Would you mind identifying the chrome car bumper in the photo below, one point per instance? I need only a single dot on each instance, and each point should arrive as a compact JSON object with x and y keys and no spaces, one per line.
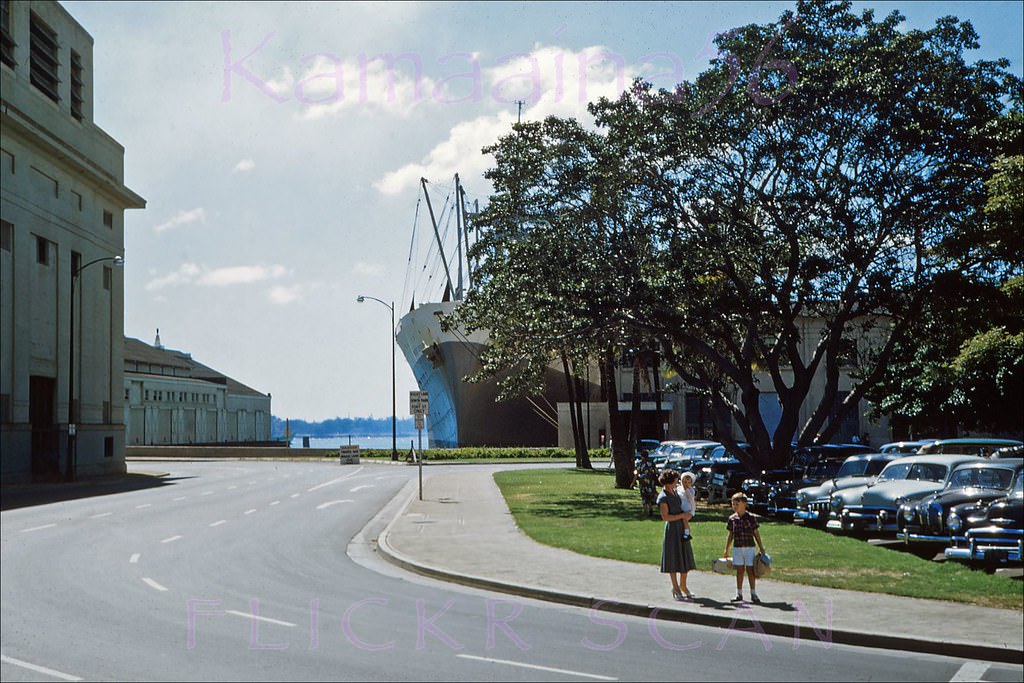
{"x":989,"y":544}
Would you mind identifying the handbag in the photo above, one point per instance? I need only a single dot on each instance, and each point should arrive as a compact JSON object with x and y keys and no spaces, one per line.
{"x":762,"y":565}
{"x":722,"y":565}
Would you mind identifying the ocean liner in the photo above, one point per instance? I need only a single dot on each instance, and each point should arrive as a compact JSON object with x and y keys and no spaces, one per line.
{"x":467,"y":413}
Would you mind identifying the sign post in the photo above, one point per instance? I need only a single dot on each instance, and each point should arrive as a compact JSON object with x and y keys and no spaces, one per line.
{"x":419,"y":406}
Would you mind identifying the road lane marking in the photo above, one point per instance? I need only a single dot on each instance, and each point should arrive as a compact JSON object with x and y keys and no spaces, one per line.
{"x":206,"y":493}
{"x":38,"y":528}
{"x":171,"y":539}
{"x":102,"y":514}
{"x":144,"y":505}
{"x":153,"y":584}
{"x":39,"y":669}
{"x":179,"y":498}
{"x":361,"y":487}
{"x":276,"y":502}
{"x":249,"y":512}
{"x":259,"y":618}
{"x":219,"y":522}
{"x":970,"y":671}
{"x":232,"y":487}
{"x":321,"y":506}
{"x":539,"y":668}
{"x":335,"y":481}
{"x":294,"y":495}
{"x":134,"y":559}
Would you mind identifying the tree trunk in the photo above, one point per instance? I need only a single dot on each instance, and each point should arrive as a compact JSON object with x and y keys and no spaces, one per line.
{"x":656,"y":369}
{"x":584,"y":458}
{"x":621,"y":454}
{"x":570,"y":385}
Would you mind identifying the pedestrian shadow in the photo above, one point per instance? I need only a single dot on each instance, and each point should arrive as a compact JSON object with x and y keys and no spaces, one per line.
{"x":27,"y":495}
{"x":729,"y":606}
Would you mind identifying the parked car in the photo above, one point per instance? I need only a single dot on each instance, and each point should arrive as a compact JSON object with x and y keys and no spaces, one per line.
{"x":667,"y":449}
{"x":811,"y":465}
{"x":811,"y":502}
{"x":724,"y":478}
{"x":877,"y":506}
{"x":977,"y":483}
{"x":992,"y":535}
{"x":905,"y":447}
{"x":983,"y":447}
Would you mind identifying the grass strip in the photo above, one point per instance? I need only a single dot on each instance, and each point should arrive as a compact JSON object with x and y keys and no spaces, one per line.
{"x":582,"y":511}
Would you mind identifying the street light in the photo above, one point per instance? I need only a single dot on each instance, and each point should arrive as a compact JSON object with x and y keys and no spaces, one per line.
{"x":72,"y":436}
{"x":394,"y":419}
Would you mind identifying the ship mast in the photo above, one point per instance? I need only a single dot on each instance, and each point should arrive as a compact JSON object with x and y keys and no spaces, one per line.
{"x":437,"y":235}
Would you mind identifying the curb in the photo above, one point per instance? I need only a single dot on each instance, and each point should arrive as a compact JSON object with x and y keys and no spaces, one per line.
{"x":739,"y":622}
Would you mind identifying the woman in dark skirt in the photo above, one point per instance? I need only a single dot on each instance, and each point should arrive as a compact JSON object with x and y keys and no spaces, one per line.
{"x":676,"y":553}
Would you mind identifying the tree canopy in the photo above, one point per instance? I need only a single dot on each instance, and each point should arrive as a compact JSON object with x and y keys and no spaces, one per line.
{"x":786,"y":216}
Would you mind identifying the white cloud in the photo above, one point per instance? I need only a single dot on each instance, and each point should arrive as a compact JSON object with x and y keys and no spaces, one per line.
{"x":551,"y":80}
{"x":182,"y":218}
{"x":285,"y":295}
{"x":363,"y":268}
{"x":244,"y":165}
{"x":190,"y":273}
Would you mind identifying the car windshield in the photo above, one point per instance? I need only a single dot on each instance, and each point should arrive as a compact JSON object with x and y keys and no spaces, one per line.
{"x":823,"y":470}
{"x":894,"y":472}
{"x":981,"y":477}
{"x":924,"y":471}
{"x":875,"y":466}
{"x":1019,"y":486}
{"x":853,"y":468}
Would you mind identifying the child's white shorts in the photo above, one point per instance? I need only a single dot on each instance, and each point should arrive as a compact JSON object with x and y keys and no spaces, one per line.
{"x":743,"y":557}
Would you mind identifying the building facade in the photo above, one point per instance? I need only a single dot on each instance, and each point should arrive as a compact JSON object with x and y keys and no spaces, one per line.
{"x":685,"y":414}
{"x":62,"y":204}
{"x":171,"y":399}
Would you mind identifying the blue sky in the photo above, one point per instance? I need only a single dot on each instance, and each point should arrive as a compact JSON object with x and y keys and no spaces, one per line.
{"x":281,"y":165}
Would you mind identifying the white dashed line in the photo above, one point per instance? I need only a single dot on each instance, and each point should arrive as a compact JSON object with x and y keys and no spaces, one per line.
{"x":38,"y":528}
{"x":144,"y":505}
{"x":259,"y":618}
{"x":539,"y":668}
{"x":231,"y":488}
{"x":179,"y":498}
{"x":134,"y":559}
{"x":276,"y":502}
{"x":219,"y":522}
{"x":153,"y":584}
{"x":39,"y":669}
{"x":171,"y":539}
{"x":206,"y":493}
{"x":294,"y":495}
{"x":102,"y":514}
{"x":249,"y":512}
{"x":360,"y":488}
{"x":328,"y":504}
{"x":970,"y":671}
{"x":335,"y":481}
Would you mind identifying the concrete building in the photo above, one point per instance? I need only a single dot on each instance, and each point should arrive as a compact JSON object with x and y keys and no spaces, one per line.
{"x":171,"y":399}
{"x":62,"y":203}
{"x":685,"y":414}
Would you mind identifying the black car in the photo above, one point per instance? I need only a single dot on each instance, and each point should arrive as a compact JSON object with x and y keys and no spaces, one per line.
{"x":812,"y":465}
{"x":977,"y":483}
{"x":724,"y":478}
{"x":812,"y":501}
{"x":991,"y":535}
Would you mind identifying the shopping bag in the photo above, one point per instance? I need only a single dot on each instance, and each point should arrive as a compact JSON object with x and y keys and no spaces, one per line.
{"x":762,"y":565}
{"x":722,"y":565}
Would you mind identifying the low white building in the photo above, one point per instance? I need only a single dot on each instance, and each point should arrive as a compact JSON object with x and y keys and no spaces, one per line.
{"x":171,"y":399}
{"x":62,"y":204}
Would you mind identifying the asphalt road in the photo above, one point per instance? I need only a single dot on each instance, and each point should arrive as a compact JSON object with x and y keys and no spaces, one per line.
{"x":266,"y":571}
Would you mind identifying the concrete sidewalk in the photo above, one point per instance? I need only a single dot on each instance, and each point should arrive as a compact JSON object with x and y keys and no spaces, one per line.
{"x":463,"y":532}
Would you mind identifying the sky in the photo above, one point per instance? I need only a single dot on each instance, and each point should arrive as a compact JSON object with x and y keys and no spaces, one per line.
{"x":280,"y":156}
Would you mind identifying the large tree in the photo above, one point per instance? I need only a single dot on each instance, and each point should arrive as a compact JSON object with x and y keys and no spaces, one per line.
{"x":814,"y":173}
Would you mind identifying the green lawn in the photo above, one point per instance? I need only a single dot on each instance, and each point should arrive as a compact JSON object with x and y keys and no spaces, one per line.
{"x":582,"y":511}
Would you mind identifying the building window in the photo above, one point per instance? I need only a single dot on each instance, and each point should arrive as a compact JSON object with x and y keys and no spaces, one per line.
{"x":108,"y":219}
{"x":127,"y":395}
{"x":108,"y":447}
{"x":76,"y":85}
{"x":42,"y":251}
{"x":43,"y":60}
{"x":6,"y":235}
{"x":108,"y":276}
{"x":76,"y":200}
{"x":8,"y":158}
{"x":7,"y":43}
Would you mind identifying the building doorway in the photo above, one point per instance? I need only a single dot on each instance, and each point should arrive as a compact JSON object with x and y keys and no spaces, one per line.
{"x":42,"y":398}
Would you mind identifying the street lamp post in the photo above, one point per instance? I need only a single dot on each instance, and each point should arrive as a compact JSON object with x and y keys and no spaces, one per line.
{"x":394,"y":419}
{"x":69,"y":475}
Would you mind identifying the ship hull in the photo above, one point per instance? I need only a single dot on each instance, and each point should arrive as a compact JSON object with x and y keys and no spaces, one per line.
{"x":464,"y":414}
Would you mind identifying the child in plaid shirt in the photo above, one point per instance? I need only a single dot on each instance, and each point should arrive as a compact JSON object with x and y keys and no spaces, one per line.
{"x":743,"y":533}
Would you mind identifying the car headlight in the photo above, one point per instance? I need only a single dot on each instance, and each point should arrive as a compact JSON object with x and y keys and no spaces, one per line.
{"x":900,"y":500}
{"x":908,"y":512}
{"x":835,"y":503}
{"x":953,"y":522}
